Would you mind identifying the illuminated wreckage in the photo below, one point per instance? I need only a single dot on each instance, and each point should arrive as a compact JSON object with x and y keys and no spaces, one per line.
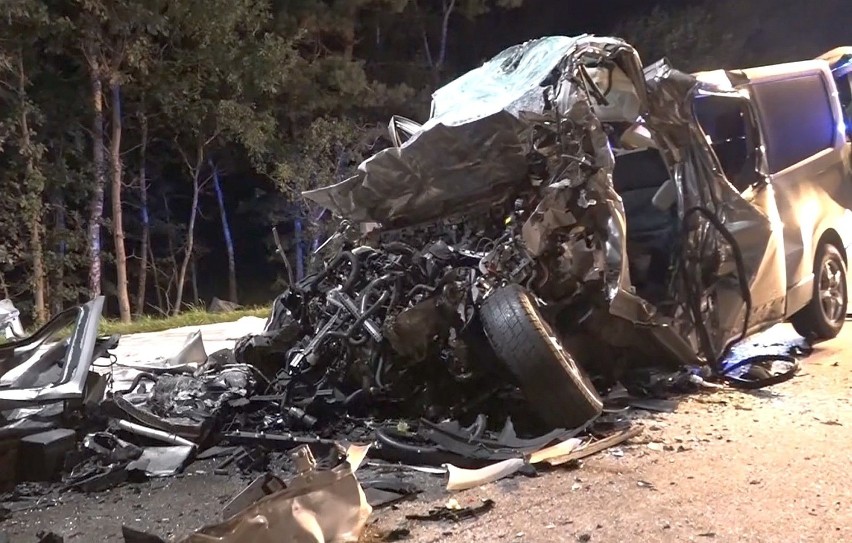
{"x":558,"y":225}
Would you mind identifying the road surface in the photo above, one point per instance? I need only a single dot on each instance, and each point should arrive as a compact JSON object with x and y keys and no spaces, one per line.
{"x":725,"y":467}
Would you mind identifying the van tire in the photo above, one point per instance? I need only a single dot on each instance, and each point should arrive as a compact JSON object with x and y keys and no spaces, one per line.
{"x":819,"y":320}
{"x":551,"y":380}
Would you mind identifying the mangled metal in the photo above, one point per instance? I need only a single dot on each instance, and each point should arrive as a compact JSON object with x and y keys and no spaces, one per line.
{"x":43,"y":367}
{"x":321,"y":506}
{"x":684,"y":260}
{"x":10,"y":320}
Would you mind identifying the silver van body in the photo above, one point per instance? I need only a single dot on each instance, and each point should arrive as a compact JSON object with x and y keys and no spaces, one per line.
{"x":808,"y":189}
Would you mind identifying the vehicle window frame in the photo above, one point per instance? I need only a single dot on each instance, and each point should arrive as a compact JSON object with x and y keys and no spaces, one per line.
{"x":753,"y":139}
{"x":775,"y":161}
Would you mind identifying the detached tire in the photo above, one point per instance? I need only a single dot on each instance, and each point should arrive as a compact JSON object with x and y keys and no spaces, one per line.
{"x":824,"y":315}
{"x":552,"y":381}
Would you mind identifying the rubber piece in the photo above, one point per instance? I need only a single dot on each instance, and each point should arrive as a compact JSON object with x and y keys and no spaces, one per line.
{"x":552,"y":381}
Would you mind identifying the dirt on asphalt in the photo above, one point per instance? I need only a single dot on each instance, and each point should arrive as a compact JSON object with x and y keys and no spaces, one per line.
{"x":727,"y":466}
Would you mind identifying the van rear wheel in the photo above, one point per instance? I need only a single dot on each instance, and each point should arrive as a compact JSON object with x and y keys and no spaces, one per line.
{"x":825,"y":314}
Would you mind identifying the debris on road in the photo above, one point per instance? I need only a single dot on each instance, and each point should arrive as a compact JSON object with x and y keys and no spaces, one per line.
{"x":317,"y":505}
{"x":455,"y":512}
{"x":463,"y":479}
{"x":10,"y":320}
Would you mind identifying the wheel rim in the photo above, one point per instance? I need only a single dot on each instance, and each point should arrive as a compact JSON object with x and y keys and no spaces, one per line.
{"x":832,"y":291}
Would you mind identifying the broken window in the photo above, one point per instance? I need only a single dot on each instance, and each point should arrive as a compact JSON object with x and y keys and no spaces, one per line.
{"x":797,"y":119}
{"x":725,"y":120}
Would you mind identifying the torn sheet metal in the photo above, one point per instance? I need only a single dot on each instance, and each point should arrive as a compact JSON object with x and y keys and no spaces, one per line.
{"x":10,"y":320}
{"x":48,"y":366}
{"x":474,"y":149}
{"x":189,"y":358}
{"x":162,"y":461}
{"x":263,"y":485}
{"x":355,"y":455}
{"x":186,"y":405}
{"x":317,"y":507}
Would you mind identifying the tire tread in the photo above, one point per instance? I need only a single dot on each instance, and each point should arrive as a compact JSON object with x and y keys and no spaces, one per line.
{"x":520,"y":338}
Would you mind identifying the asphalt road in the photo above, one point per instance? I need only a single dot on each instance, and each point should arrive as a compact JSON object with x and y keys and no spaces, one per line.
{"x":725,"y":467}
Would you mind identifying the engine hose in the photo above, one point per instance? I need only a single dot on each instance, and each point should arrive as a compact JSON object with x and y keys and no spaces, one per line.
{"x":353,"y":397}
{"x":349,"y":337}
{"x":354,"y":272}
{"x":359,"y":342}
{"x":291,"y":278}
{"x":369,"y":312}
{"x":391,"y":447}
{"x":399,"y":247}
{"x":397,"y":284}
{"x":418,"y":288}
{"x":380,"y":367}
{"x":359,"y":322}
{"x":741,"y":272}
{"x":136,"y":380}
{"x":371,"y":286}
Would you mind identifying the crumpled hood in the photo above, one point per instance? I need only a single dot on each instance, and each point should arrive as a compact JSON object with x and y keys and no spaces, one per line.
{"x":486,"y":132}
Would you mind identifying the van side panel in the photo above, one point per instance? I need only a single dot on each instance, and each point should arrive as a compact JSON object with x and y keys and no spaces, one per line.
{"x":807,"y":161}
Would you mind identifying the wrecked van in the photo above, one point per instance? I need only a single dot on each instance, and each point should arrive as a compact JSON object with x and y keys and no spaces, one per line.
{"x":615,"y":217}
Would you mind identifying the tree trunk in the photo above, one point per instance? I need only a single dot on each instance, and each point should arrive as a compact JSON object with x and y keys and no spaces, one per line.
{"x":146,"y":226}
{"x":96,"y":204}
{"x":445,"y":27}
{"x":38,"y":279}
{"x":194,"y":281}
{"x":35,"y":209}
{"x":172,"y":252}
{"x":190,"y":230}
{"x":4,"y":286}
{"x":229,"y":241}
{"x":58,"y":275}
{"x":117,"y":214}
{"x":161,"y":303}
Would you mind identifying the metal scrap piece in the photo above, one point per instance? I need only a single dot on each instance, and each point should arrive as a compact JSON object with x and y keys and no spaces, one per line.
{"x":317,"y":507}
{"x":162,"y":461}
{"x":38,"y":371}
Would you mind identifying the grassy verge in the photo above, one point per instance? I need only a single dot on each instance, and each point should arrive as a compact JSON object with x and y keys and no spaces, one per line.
{"x":188,"y":318}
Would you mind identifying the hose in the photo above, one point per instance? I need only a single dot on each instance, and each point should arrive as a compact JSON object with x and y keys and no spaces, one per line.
{"x":372,"y":285}
{"x":399,"y":247}
{"x":291,"y":281}
{"x":137,"y":380}
{"x":754,"y":384}
{"x":354,"y":272}
{"x":741,"y":277}
{"x":380,"y":367}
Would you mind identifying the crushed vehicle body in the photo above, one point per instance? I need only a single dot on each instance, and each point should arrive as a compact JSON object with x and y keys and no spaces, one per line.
{"x":607,"y":215}
{"x":47,"y":377}
{"x":52,"y":364}
{"x":10,"y":320}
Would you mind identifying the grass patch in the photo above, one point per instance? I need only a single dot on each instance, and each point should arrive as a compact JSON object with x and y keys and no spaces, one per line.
{"x":191,"y":317}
